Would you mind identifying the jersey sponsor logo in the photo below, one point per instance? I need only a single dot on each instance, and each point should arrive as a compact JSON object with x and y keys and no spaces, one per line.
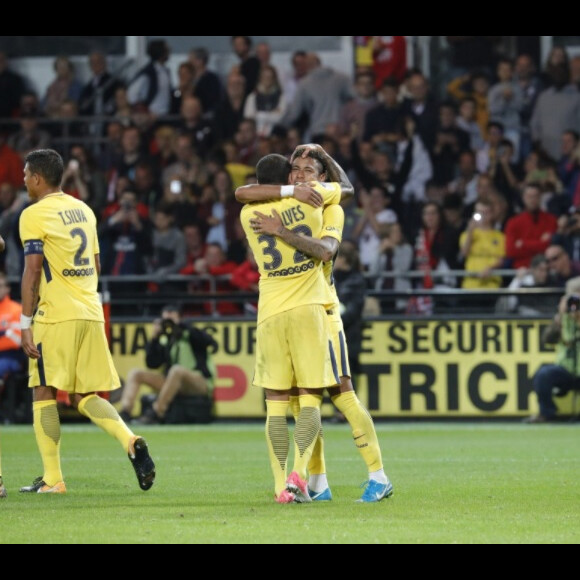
{"x":80,"y":273}
{"x":292,"y":271}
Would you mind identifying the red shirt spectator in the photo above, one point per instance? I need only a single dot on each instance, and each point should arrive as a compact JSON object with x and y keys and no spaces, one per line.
{"x":530,"y":232}
{"x":389,"y":58}
{"x":11,"y":165}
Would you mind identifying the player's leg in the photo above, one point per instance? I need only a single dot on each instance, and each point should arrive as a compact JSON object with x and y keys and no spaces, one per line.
{"x":274,"y":374}
{"x":318,"y":488}
{"x":96,"y":373}
{"x":361,"y":423}
{"x":278,"y":441}
{"x":315,"y":369}
{"x":135,"y":379}
{"x":47,"y":431}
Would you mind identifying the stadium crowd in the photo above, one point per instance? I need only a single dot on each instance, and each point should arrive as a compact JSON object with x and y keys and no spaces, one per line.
{"x":480,"y":176}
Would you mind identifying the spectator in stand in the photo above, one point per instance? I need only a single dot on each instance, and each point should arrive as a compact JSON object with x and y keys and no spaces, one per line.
{"x":185,"y":86}
{"x":500,"y":208}
{"x":467,"y":120}
{"x":147,"y":186}
{"x":465,"y":183}
{"x":11,"y":164}
{"x":247,"y":142}
{"x":450,"y":142}
{"x":395,"y":257}
{"x":152,"y":86}
{"x":536,"y":276}
{"x":298,"y":72}
{"x":423,"y":107}
{"x":30,"y":136}
{"x":66,"y":127}
{"x":389,"y":58}
{"x":249,"y":65}
{"x":125,"y":238}
{"x":132,"y":153}
{"x":112,"y":148}
{"x":495,"y":134}
{"x":64,"y":87}
{"x":558,"y":59}
{"x":12,"y":203}
{"x":216,"y":265}
{"x":568,"y":234}
{"x":98,"y":94}
{"x":540,"y":168}
{"x":575,"y":71}
{"x":506,"y":103}
{"x":475,"y":86}
{"x":483,"y":250}
{"x":382,"y":123}
{"x":456,"y":219}
{"x":321,"y":96}
{"x":507,"y":174}
{"x":12,"y":88}
{"x":353,"y":114}
{"x":122,"y":109}
{"x":266,"y":104}
{"x":246,"y":278}
{"x":375,"y":205}
{"x":562,"y":268}
{"x":569,"y":166}
{"x":12,"y":357}
{"x":73,"y":182}
{"x":557,"y":111}
{"x":192,"y":122}
{"x":168,"y":255}
{"x":531,"y":87}
{"x":230,"y":111}
{"x":195,"y":247}
{"x":264,"y":53}
{"x":188,"y":168}
{"x":530,"y":232}
{"x":207,"y":85}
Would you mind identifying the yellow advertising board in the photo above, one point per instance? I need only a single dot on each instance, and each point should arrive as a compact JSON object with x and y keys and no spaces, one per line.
{"x":412,"y":369}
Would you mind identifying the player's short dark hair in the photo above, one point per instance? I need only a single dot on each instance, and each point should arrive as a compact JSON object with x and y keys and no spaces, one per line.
{"x":316,"y":155}
{"x":48,"y":164}
{"x":273,"y":169}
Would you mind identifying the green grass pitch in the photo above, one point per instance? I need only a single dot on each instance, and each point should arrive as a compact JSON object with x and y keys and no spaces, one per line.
{"x":454,"y":483}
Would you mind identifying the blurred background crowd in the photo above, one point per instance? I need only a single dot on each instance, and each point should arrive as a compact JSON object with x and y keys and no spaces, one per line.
{"x":470,"y":182}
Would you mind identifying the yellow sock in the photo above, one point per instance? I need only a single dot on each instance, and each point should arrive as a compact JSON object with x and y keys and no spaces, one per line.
{"x":363,"y":429}
{"x":278,"y":441}
{"x":317,"y":465}
{"x":105,"y":416}
{"x":307,"y":433}
{"x":47,"y":431}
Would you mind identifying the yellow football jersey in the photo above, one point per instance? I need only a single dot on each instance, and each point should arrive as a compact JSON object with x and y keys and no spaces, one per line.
{"x":333,"y":226}
{"x":64,"y":230}
{"x":288,"y":278}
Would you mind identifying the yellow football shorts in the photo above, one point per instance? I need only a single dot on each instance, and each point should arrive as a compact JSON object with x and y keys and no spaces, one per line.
{"x":75,"y":358}
{"x":294,"y":348}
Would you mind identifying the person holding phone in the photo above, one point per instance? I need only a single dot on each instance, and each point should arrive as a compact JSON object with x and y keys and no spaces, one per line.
{"x":483,"y":249}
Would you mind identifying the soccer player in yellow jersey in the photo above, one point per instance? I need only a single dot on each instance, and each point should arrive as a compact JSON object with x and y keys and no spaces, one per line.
{"x":344,"y":397}
{"x":66,"y":345}
{"x":293,"y":334}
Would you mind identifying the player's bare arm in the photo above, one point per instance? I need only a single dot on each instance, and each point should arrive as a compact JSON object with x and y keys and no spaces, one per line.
{"x":321,"y":249}
{"x":30,"y":287}
{"x":334,"y":172}
{"x":263,"y":193}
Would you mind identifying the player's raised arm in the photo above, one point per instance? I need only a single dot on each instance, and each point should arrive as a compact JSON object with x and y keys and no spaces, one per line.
{"x":321,"y":249}
{"x":263,"y":193}
{"x":334,"y":172}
